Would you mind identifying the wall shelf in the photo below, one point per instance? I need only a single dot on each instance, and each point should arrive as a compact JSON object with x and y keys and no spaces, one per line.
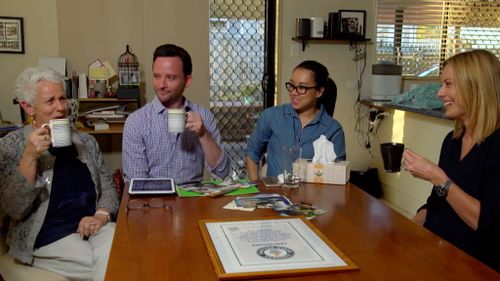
{"x":332,"y":41}
{"x":96,"y":100}
{"x":115,"y":126}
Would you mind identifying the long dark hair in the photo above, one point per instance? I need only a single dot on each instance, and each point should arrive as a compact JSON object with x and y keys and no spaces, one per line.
{"x":322,"y":80}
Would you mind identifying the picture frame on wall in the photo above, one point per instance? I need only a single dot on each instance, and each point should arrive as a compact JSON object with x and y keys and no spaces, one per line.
{"x":352,"y":22}
{"x":11,"y":35}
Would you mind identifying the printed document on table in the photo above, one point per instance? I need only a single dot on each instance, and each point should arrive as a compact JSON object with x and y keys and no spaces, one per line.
{"x":270,"y":244}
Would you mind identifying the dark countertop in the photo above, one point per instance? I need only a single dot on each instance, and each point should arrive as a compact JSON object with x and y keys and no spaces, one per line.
{"x":438,"y":113}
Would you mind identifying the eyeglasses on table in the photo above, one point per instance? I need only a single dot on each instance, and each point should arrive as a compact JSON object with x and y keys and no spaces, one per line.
{"x":140,"y":204}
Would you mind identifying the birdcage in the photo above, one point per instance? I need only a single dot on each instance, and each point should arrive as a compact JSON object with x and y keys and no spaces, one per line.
{"x":128,"y":69}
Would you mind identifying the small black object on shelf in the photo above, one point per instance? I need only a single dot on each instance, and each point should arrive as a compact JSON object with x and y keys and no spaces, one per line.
{"x":127,"y":93}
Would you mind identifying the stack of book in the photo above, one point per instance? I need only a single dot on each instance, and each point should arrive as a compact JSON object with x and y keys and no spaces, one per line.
{"x":111,"y":114}
{"x":107,"y":115}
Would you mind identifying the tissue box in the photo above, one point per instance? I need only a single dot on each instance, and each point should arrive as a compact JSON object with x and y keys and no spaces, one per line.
{"x":333,"y":173}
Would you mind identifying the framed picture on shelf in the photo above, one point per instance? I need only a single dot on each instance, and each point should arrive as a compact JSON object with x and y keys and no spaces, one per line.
{"x":11,"y":35}
{"x":352,"y":22}
{"x":129,"y":78}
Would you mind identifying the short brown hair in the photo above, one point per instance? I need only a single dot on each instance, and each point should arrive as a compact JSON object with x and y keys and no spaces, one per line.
{"x":171,"y":50}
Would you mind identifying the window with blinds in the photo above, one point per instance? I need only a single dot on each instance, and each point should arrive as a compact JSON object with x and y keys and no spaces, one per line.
{"x":421,"y":34}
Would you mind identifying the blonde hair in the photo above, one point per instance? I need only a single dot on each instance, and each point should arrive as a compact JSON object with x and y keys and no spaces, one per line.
{"x":477,"y":78}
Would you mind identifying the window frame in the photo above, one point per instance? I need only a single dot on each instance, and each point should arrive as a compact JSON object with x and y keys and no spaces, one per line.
{"x":414,"y":22}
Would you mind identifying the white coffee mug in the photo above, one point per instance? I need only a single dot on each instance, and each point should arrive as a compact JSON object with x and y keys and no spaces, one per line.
{"x":176,"y":120}
{"x":60,"y":132}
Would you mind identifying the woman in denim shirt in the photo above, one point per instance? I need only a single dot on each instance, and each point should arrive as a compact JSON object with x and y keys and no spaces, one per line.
{"x":298,"y":123}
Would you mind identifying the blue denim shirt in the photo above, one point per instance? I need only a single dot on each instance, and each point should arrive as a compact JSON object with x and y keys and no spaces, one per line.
{"x":279,"y":127}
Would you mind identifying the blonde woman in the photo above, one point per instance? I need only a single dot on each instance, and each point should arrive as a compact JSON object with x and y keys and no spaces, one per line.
{"x":464,"y":206}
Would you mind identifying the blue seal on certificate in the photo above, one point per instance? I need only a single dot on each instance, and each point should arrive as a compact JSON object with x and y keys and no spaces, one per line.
{"x":275,"y":252}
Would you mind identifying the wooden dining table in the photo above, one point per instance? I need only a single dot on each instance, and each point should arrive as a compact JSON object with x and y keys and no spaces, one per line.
{"x":166,"y":243}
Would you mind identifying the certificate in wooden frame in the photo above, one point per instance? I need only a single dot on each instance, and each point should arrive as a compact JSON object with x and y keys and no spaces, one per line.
{"x":270,"y":247}
{"x":11,"y":35}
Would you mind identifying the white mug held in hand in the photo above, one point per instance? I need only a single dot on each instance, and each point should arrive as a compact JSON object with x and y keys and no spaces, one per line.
{"x":176,"y":120}
{"x":60,"y":132}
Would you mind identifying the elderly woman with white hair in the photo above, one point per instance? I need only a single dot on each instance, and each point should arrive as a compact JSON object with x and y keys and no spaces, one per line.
{"x":60,"y":200}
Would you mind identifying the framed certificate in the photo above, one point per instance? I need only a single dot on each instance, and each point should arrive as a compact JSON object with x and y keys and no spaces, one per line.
{"x":269,"y":247}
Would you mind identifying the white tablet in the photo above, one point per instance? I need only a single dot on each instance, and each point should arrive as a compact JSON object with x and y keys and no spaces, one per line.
{"x":151,"y":186}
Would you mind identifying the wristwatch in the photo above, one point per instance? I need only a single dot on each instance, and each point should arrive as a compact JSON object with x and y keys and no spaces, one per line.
{"x":442,"y":189}
{"x":107,"y":214}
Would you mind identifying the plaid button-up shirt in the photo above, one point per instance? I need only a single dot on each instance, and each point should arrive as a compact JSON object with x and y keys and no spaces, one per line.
{"x":150,"y":151}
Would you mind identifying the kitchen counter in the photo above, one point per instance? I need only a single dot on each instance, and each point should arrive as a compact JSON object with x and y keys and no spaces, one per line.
{"x":438,"y":113}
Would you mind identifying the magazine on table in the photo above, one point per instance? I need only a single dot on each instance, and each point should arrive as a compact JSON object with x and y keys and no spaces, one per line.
{"x":263,"y":201}
{"x":301,"y":209}
{"x":207,"y":188}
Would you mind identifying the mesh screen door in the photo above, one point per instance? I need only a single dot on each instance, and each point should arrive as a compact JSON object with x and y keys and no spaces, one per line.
{"x":237,"y":62}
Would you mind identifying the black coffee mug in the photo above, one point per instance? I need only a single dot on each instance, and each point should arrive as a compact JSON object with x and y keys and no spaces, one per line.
{"x":392,"y":153}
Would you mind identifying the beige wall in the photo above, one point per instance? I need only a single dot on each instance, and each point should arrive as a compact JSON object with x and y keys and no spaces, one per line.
{"x":337,"y":58}
{"x":102,"y":29}
{"x":84,"y":30}
{"x":41,"y":39}
{"x":420,"y":133}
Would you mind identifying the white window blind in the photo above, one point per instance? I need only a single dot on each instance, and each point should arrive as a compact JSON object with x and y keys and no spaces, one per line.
{"x":421,"y":34}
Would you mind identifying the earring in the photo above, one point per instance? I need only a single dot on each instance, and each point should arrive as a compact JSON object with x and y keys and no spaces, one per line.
{"x":32,"y":117}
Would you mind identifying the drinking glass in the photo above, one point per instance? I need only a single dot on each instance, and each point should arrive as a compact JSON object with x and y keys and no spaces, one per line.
{"x":291,"y":166}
